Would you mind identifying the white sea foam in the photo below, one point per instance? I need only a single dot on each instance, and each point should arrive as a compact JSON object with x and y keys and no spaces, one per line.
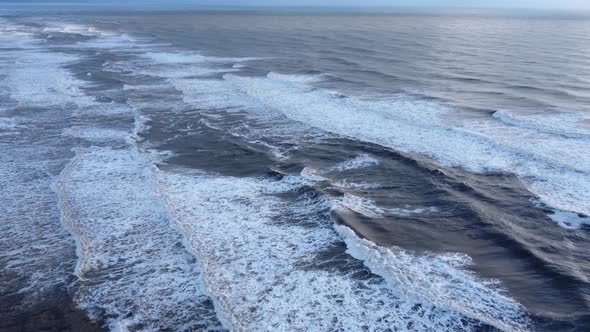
{"x":243,"y":233}
{"x":118,"y":66}
{"x":35,"y":77}
{"x":311,"y":174}
{"x":140,"y":125}
{"x":191,"y":74}
{"x":440,"y":279}
{"x":37,"y":254}
{"x":185,"y":71}
{"x":345,"y":183}
{"x":560,"y":180}
{"x":254,"y":254}
{"x":10,"y":124}
{"x":369,"y":209}
{"x":111,"y":109}
{"x":14,"y":31}
{"x":57,"y":86}
{"x":120,"y":42}
{"x":566,"y":124}
{"x":73,"y":28}
{"x":569,"y":220}
{"x":306,"y":79}
{"x":549,"y":170}
{"x":133,"y":269}
{"x":558,"y":151}
{"x":98,"y":135}
{"x":565,"y":219}
{"x":179,"y":57}
{"x":181,"y":67}
{"x":381,"y":121}
{"x":360,"y":161}
{"x":170,"y":69}
{"x":360,"y":205}
{"x":205,"y":92}
{"x":187,"y":57}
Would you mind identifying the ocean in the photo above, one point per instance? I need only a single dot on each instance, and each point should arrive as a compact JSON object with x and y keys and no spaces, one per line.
{"x":200,"y":170}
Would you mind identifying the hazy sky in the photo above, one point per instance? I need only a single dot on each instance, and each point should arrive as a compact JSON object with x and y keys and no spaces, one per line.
{"x":531,"y":4}
{"x":565,"y":4}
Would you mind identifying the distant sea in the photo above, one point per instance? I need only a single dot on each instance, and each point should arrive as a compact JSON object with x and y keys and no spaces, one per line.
{"x":173,"y":168}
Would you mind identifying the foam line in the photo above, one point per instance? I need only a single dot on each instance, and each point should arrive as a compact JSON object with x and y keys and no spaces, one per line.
{"x":440,"y":279}
{"x":298,"y":78}
{"x":37,"y":255}
{"x":369,"y":209}
{"x":559,"y":179}
{"x":133,"y":268}
{"x":566,"y":124}
{"x":360,"y":161}
{"x":257,"y":250}
{"x":56,"y":88}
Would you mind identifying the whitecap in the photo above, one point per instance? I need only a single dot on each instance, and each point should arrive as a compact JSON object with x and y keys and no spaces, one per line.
{"x":361,"y":161}
{"x":242,"y":232}
{"x":133,"y":269}
{"x":559,"y":179}
{"x":566,"y":124}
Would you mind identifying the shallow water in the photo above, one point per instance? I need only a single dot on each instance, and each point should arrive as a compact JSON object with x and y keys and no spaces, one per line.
{"x":294,"y":172}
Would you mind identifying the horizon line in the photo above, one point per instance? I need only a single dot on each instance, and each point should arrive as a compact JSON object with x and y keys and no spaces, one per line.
{"x":310,"y":9}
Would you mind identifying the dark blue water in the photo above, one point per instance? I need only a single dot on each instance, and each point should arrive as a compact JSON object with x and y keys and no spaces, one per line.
{"x":252,"y":171}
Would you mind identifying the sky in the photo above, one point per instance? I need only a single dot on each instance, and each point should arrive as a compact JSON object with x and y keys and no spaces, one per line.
{"x":499,"y":4}
{"x":532,"y":4}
